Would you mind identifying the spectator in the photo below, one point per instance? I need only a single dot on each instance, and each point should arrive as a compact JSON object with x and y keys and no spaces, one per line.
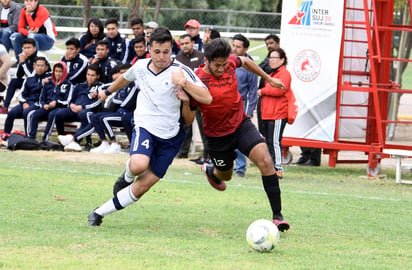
{"x":309,"y":156}
{"x":10,"y":14}
{"x":5,"y":64}
{"x":191,"y":58}
{"x":117,"y":44}
{"x":29,"y":96}
{"x":24,"y":69}
{"x":88,"y":41}
{"x":103,"y":61}
{"x":76,"y":62}
{"x":192,"y":28}
{"x":247,"y":87}
{"x":84,"y":103}
{"x":274,"y":106}
{"x":138,"y":31}
{"x":140,"y":49}
{"x":209,"y":35}
{"x":149,"y":27}
{"x":34,"y":22}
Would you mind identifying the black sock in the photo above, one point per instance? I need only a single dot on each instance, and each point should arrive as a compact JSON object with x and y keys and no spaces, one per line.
{"x":209,"y":172}
{"x":271,"y":186}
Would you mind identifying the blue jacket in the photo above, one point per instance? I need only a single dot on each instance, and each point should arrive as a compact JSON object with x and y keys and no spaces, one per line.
{"x":127,"y":97}
{"x":117,"y":47}
{"x":31,"y":89}
{"x":26,"y":69}
{"x":81,"y":96}
{"x":62,"y":93}
{"x":106,"y":66}
{"x":76,"y":68}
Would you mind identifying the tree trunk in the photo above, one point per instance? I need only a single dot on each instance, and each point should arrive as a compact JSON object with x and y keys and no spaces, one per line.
{"x":134,"y":11}
{"x":157,"y":11}
{"x":86,"y":15}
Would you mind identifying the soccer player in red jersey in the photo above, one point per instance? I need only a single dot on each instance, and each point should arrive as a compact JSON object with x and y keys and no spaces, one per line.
{"x":226,"y":126}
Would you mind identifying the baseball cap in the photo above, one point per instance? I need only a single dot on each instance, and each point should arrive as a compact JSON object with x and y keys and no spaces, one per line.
{"x":192,"y":23}
{"x":151,"y":24}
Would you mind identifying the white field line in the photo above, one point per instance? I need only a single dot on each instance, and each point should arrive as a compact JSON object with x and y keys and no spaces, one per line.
{"x":326,"y":194}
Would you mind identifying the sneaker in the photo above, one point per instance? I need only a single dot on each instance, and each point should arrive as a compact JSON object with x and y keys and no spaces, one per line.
{"x":65,"y":139}
{"x":240,"y":174}
{"x":282,"y":224}
{"x":114,"y":148}
{"x":279,"y":174}
{"x":4,"y":110}
{"x":120,"y":184}
{"x":94,"y":219}
{"x":73,"y":147}
{"x":213,"y":181}
{"x":104,"y":146}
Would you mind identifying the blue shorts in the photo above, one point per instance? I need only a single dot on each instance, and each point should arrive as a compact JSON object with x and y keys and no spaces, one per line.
{"x":160,"y":151}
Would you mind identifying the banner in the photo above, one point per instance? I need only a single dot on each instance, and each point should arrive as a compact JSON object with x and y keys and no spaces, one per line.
{"x":311,"y":33}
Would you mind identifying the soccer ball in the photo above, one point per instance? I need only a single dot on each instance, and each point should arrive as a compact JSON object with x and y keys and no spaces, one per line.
{"x":262,"y":235}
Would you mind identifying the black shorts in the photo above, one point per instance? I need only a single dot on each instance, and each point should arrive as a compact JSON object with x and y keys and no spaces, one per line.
{"x":222,"y":149}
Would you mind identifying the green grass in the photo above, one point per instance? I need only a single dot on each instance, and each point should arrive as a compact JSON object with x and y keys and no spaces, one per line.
{"x":339,"y":220}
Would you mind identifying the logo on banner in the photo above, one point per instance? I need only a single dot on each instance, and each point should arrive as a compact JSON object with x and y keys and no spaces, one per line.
{"x":306,"y":15}
{"x":302,"y":16}
{"x":307,"y":65}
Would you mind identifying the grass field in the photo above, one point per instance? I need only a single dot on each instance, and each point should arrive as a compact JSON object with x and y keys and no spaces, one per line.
{"x":338,"y":220}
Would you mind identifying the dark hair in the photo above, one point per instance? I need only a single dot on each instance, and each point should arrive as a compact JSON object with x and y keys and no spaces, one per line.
{"x":29,"y":41}
{"x":282,"y":55}
{"x":274,"y":37}
{"x":185,"y":36}
{"x":243,"y":39}
{"x":125,"y":66}
{"x":112,"y":20}
{"x":161,"y":35}
{"x":114,"y":70}
{"x":95,"y":68}
{"x":139,"y":39}
{"x":214,"y":34}
{"x":41,"y":58}
{"x":103,"y":42}
{"x":136,"y":21}
{"x":217,"y":48}
{"x":58,"y":65}
{"x":73,"y":41}
{"x":99,"y":24}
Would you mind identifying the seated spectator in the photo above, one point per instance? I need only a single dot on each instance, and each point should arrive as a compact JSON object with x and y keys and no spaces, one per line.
{"x":29,"y":96}
{"x":138,"y":31}
{"x":5,"y":64}
{"x":192,"y":28}
{"x":88,"y":41}
{"x":10,"y":14}
{"x":76,"y":62}
{"x":24,"y":69}
{"x":117,"y":44}
{"x":34,"y":22}
{"x":84,"y":103}
{"x":103,"y":61}
{"x":55,"y":95}
{"x":140,"y":49}
{"x":149,"y":27}
{"x":209,"y":35}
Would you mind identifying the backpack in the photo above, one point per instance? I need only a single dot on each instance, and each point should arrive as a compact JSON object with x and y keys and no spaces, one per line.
{"x":20,"y":142}
{"x":51,"y":146}
{"x":292,"y":108}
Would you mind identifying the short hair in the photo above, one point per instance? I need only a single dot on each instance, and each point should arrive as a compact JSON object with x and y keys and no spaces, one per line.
{"x":41,"y":58}
{"x":112,"y":20}
{"x":95,"y":68}
{"x":217,"y":48}
{"x":29,"y":41}
{"x":214,"y":34}
{"x":243,"y":39}
{"x":114,"y":70}
{"x":136,"y":21}
{"x":125,"y":66}
{"x":103,"y":42}
{"x":139,"y":39}
{"x":185,"y":36}
{"x":161,"y":35}
{"x":282,"y":54}
{"x":73,"y":41}
{"x":274,"y":37}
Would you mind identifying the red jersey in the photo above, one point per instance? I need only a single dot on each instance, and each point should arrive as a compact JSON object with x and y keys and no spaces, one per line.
{"x":225,"y":114}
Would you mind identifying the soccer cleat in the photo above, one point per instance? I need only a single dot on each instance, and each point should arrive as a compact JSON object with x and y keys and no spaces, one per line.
{"x":65,"y":139}
{"x":113,"y":148}
{"x":94,"y":219}
{"x":282,"y":224}
{"x":73,"y":147}
{"x":120,"y":184}
{"x":279,"y":174}
{"x":213,"y":181}
{"x":104,"y":146}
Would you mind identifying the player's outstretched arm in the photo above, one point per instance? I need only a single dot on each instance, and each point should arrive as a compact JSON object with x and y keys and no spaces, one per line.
{"x":118,"y":84}
{"x":253,"y":67}
{"x":199,"y":93}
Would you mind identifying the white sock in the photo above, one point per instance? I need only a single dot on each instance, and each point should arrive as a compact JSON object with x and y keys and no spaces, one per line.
{"x":128,"y":176}
{"x":123,"y":199}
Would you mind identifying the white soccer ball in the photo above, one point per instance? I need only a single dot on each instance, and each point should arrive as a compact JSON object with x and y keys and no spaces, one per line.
{"x":262,"y":235}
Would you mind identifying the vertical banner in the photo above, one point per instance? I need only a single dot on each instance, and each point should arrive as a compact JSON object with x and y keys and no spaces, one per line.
{"x":311,"y":33}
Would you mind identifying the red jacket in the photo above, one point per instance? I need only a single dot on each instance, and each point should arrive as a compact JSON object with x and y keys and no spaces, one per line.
{"x":274,"y":103}
{"x":40,"y":19}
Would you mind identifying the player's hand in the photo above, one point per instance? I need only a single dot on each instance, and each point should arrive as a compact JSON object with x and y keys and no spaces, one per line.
{"x":182,"y":95}
{"x":102,"y":96}
{"x":276,"y":83}
{"x":178,"y":78}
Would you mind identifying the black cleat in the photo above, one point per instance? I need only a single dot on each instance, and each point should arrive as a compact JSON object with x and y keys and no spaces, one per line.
{"x":94,"y":219}
{"x":120,"y":184}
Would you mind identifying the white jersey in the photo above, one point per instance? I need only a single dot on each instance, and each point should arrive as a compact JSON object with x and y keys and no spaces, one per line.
{"x":157,"y":107}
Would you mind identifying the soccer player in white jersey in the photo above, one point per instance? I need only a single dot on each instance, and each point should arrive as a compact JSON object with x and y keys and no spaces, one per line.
{"x":161,"y":109}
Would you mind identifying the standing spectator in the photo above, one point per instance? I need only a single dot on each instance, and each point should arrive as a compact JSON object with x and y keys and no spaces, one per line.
{"x":191,"y":58}
{"x":117,"y":44}
{"x":88,"y":41}
{"x":10,"y":14}
{"x":192,"y":28}
{"x":103,"y":61}
{"x":5,"y":64}
{"x":274,"y":106}
{"x":140,"y":49}
{"x":309,"y":156}
{"x":34,"y":22}
{"x":272,"y":42}
{"x":138,"y":31}
{"x":24,"y":69}
{"x":247,"y":87}
{"x":76,"y":62}
{"x":29,"y":96}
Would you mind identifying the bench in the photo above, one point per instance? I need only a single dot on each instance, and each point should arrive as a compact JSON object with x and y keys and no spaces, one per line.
{"x":399,"y":155}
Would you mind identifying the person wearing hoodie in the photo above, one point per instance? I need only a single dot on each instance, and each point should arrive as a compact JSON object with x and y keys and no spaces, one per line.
{"x":29,"y":95}
{"x":55,"y":95}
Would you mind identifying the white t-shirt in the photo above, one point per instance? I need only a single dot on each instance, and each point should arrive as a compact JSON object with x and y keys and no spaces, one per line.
{"x":157,"y":107}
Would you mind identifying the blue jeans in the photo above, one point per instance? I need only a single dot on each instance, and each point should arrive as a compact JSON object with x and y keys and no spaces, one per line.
{"x":5,"y":38}
{"x":43,"y":42}
{"x":240,"y":163}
